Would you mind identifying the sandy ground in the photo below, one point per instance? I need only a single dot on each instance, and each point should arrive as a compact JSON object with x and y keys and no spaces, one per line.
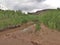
{"x":28,"y":36}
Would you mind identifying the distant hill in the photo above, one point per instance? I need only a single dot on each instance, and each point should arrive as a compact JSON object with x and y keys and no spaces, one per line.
{"x":43,"y":11}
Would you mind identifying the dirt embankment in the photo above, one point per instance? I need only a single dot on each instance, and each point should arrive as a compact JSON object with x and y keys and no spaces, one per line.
{"x":28,"y":36}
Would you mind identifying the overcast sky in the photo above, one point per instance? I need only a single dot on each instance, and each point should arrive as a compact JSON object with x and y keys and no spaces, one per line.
{"x":29,"y":5}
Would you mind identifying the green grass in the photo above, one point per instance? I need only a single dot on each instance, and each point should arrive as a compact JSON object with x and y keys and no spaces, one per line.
{"x":9,"y":18}
{"x":50,"y":18}
{"x":37,"y":27}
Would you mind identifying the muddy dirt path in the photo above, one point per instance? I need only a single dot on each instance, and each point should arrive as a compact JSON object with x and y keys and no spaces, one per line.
{"x":27,"y":36}
{"x":22,"y":27}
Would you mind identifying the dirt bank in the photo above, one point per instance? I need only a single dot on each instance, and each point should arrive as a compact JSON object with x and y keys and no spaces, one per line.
{"x":28,"y":37}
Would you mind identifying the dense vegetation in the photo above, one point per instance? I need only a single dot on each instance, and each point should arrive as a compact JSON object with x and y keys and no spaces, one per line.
{"x":50,"y":18}
{"x":9,"y":18}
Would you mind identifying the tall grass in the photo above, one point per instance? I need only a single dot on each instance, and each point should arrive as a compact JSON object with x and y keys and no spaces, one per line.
{"x":10,"y":18}
{"x":50,"y":18}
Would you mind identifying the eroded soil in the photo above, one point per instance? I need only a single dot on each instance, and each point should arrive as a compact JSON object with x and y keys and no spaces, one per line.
{"x":28,"y":36}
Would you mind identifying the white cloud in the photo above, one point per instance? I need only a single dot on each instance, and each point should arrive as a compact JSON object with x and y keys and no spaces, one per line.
{"x":30,"y":5}
{"x":53,"y":3}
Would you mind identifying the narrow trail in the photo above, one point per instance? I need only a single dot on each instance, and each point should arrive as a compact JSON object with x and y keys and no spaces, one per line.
{"x":27,"y":36}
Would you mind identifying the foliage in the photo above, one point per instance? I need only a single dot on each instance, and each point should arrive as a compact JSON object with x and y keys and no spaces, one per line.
{"x":9,"y":18}
{"x":50,"y":18}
